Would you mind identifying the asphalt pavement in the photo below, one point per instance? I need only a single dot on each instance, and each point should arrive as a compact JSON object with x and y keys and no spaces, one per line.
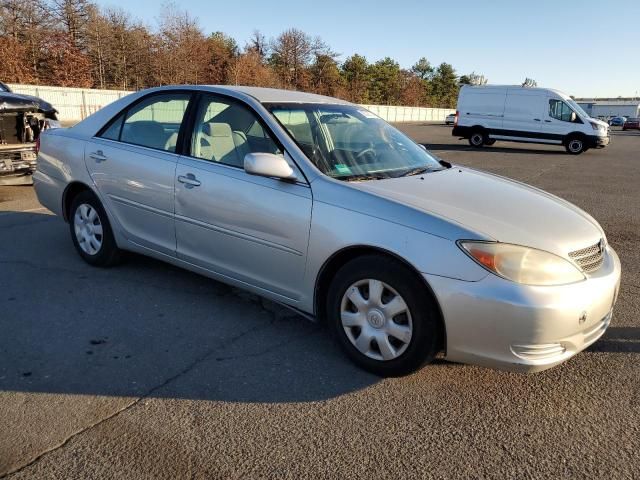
{"x":149,"y":371}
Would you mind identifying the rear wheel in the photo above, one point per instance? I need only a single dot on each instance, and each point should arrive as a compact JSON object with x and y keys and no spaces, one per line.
{"x":384,"y":318}
{"x":575,"y":145}
{"x":91,"y":232}
{"x":490,"y":141}
{"x":477,"y":139}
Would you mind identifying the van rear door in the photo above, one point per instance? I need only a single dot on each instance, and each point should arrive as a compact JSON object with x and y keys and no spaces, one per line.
{"x":523,"y":113}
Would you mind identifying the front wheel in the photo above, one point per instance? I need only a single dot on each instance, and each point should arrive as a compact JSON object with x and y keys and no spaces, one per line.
{"x":575,"y":145}
{"x":383,"y":316}
{"x":91,"y":232}
{"x":490,"y":141}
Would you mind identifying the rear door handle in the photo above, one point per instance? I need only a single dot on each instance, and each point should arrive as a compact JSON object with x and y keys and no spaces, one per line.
{"x":536,"y":119}
{"x":189,"y":180}
{"x":548,"y":121}
{"x":98,"y":156}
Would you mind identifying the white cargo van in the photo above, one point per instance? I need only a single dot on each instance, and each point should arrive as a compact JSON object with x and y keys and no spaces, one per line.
{"x":522,"y":114}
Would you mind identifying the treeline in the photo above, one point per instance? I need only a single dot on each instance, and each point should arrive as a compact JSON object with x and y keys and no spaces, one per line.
{"x":73,"y":43}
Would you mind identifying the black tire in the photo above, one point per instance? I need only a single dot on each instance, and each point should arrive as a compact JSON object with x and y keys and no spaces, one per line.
{"x":425,"y":317}
{"x":490,"y":141}
{"x":108,"y":254}
{"x":575,"y":145}
{"x":478,"y":139}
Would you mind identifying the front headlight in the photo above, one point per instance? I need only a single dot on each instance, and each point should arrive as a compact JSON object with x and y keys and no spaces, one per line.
{"x":597,"y":127}
{"x":522,"y":264}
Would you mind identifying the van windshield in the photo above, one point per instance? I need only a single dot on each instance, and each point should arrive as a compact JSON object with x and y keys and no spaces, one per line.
{"x":347,"y":142}
{"x":577,"y":108}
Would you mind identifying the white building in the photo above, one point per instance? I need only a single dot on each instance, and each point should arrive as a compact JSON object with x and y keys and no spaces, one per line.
{"x":601,"y":107}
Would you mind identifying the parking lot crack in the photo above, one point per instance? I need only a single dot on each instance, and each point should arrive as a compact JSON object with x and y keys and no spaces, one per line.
{"x":184,"y":371}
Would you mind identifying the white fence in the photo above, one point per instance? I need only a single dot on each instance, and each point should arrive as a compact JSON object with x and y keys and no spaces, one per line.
{"x":400,"y":114}
{"x":74,"y":104}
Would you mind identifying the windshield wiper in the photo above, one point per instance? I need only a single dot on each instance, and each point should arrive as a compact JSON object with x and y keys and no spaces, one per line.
{"x":418,"y":171}
{"x":371,"y":176}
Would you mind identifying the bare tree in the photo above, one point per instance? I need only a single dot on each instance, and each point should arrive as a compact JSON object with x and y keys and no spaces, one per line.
{"x":291,"y":55}
{"x":74,"y":16}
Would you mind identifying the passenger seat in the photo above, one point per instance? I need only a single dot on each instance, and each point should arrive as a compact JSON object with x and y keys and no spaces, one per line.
{"x":220,"y":144}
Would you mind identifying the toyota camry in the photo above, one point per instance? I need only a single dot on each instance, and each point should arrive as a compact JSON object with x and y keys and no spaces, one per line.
{"x":322,"y":206}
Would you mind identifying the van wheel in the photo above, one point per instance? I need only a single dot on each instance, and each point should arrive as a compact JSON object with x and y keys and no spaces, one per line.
{"x":575,"y":145}
{"x":490,"y":141}
{"x":383,"y":316}
{"x":477,"y":139}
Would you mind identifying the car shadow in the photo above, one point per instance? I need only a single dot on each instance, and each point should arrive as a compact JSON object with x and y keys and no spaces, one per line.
{"x":464,"y":147}
{"x":145,"y":328}
{"x":618,"y":340}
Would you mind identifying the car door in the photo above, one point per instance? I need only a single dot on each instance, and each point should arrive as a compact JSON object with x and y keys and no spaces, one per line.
{"x":560,"y":119}
{"x":248,"y":228}
{"x":523,"y":114}
{"x":133,"y":162}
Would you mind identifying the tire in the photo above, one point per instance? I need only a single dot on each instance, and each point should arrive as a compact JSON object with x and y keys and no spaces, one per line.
{"x":87,"y":218}
{"x":575,"y":145}
{"x":477,"y":139}
{"x":411,"y":333}
{"x":490,"y":141}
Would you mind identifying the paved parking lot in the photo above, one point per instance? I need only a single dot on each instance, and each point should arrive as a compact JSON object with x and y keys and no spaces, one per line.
{"x":147,"y":371}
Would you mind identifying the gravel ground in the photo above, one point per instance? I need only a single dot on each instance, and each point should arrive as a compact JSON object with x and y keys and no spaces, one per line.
{"x":147,"y":371}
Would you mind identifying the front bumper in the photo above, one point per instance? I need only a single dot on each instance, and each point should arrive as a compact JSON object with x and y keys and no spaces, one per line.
{"x":16,"y":161}
{"x":598,"y":141}
{"x":502,"y":324}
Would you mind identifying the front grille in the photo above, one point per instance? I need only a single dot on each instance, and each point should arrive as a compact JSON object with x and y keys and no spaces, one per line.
{"x":589,"y":259}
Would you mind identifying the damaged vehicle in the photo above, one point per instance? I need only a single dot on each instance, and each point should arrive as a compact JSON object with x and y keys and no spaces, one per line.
{"x":22,"y":119}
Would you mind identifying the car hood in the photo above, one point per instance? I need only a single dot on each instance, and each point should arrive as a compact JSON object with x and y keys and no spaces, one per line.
{"x":494,"y":207}
{"x":16,"y":102}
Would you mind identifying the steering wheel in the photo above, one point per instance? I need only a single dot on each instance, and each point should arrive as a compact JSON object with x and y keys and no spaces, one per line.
{"x":368,"y":150}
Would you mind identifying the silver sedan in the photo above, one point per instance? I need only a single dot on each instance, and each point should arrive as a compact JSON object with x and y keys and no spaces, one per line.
{"x":320,"y":205}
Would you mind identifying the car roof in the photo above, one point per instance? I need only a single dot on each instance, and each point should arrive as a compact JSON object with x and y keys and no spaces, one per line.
{"x":276,"y":95}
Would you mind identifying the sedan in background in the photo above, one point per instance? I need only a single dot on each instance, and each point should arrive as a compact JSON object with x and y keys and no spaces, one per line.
{"x":617,"y":121}
{"x":322,"y":206}
{"x":450,"y":119}
{"x":631,"y":124}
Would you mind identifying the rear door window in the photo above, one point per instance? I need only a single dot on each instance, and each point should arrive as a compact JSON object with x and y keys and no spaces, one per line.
{"x":153,"y":123}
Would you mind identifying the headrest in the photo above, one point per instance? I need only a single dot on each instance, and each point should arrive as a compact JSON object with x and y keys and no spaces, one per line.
{"x":214,"y":129}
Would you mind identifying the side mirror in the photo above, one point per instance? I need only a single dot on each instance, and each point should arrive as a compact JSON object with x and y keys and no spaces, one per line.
{"x":268,"y":165}
{"x":574,"y":117}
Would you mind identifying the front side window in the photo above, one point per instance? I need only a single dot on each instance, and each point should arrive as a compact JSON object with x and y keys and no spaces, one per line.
{"x":153,"y":123}
{"x":347,"y":142}
{"x":225,"y":131}
{"x":561,"y":111}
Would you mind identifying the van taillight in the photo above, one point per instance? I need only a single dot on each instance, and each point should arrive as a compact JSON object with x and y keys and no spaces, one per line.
{"x":455,"y":121}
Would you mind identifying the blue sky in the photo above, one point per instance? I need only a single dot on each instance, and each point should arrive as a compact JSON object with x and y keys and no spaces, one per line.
{"x":585,"y":48}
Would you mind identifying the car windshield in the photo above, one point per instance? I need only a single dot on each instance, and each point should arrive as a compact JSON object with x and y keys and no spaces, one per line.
{"x":347,"y":142}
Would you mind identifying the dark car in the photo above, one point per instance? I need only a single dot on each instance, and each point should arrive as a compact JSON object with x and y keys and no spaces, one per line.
{"x":22,"y":118}
{"x":631,"y":124}
{"x":617,"y":121}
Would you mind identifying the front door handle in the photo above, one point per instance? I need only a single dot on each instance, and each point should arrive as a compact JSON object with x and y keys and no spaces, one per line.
{"x":189,"y":180}
{"x":548,"y":121}
{"x":536,"y":119}
{"x":98,"y":156}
